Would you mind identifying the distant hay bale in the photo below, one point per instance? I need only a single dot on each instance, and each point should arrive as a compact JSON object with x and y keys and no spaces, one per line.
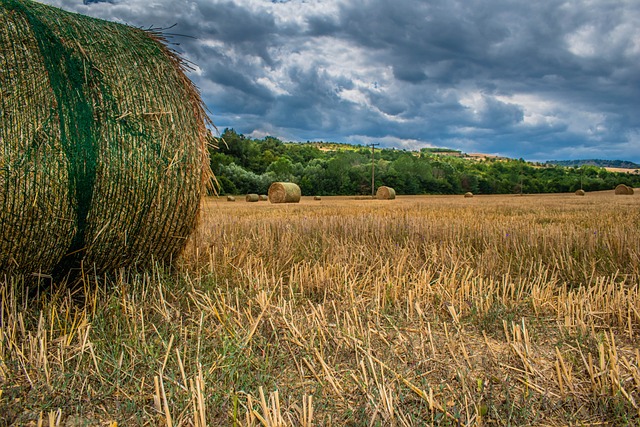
{"x":317,"y":198}
{"x":386,"y":193}
{"x":468,"y":194}
{"x":284,"y":192}
{"x":580,"y":192}
{"x":623,"y":189}
{"x":231,"y":199}
{"x":252,"y":198}
{"x":104,"y":158}
{"x":264,"y":197}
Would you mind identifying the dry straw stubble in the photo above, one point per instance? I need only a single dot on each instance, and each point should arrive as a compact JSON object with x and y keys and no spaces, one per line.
{"x":404,"y":313}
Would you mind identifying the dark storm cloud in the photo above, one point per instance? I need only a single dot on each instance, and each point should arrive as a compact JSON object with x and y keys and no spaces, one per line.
{"x":538,"y":80}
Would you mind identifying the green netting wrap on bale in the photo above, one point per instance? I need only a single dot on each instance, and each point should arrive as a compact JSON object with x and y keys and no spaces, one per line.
{"x":284,"y":192}
{"x":103,"y":144}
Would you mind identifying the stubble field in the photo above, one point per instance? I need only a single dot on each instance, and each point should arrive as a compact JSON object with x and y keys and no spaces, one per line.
{"x":491,"y":310}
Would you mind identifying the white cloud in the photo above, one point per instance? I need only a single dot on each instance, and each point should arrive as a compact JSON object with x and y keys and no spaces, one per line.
{"x":584,"y":41}
{"x":272,"y":85}
{"x":538,"y":111}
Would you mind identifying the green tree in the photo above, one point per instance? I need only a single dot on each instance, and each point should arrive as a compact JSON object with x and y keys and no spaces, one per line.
{"x":282,"y":169}
{"x":246,"y":181}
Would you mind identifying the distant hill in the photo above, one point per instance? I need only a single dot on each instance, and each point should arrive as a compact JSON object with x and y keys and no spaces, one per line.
{"x":620,"y":164}
{"x":245,"y":165}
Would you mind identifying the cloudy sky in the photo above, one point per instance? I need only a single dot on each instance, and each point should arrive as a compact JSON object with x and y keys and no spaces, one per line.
{"x":543,"y":79}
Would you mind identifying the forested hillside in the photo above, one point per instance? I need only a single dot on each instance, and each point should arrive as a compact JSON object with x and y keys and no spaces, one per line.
{"x":244,"y":165}
{"x":596,"y":162}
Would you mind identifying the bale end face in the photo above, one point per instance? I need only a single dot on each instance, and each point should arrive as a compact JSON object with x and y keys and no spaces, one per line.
{"x":386,"y":193}
{"x":623,"y":190}
{"x":284,"y":192}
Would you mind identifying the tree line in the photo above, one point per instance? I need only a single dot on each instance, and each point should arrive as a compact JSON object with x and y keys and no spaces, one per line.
{"x":245,"y":165}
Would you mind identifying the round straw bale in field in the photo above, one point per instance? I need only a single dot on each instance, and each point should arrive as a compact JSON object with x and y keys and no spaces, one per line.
{"x":252,"y":198}
{"x":264,"y":197}
{"x":104,"y":158}
{"x":231,"y":199}
{"x":317,"y":198}
{"x":580,"y":192}
{"x":386,"y":193}
{"x":622,"y":189}
{"x":284,"y":192}
{"x":468,"y":194}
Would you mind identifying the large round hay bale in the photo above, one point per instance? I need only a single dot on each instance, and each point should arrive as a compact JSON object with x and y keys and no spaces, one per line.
{"x":622,"y":189}
{"x":468,"y":194}
{"x":317,"y":198}
{"x":580,"y":192}
{"x":386,"y":193}
{"x":104,"y":156}
{"x":252,"y":198}
{"x":284,"y":192}
{"x":264,"y":197}
{"x":231,"y":199}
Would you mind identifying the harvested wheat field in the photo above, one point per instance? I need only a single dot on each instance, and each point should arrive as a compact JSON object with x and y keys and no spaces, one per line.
{"x":490,"y":311}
